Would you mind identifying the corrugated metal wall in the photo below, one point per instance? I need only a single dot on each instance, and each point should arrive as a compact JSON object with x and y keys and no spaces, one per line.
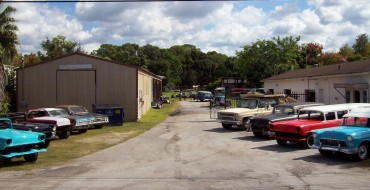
{"x":84,"y":80}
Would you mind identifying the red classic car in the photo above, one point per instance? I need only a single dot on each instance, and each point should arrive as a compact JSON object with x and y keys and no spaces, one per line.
{"x":300,"y":129}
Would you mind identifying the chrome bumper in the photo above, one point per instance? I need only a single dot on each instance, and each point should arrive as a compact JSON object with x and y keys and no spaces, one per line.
{"x":336,"y":149}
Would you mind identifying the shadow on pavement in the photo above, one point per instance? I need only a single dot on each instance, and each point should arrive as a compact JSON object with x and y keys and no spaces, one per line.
{"x":290,"y":147}
{"x":343,"y":160}
{"x":254,"y":138}
{"x":222,"y":130}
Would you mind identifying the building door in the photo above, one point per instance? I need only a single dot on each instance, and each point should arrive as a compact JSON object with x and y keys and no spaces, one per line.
{"x":321,"y":95}
{"x":76,"y":87}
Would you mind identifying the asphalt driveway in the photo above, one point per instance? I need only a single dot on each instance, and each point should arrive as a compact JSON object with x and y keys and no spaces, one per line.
{"x":191,"y":151}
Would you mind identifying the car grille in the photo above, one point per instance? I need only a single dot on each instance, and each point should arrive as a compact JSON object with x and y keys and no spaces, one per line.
{"x":260,"y":122}
{"x":331,"y":142}
{"x":226,"y":116}
{"x":22,"y":148}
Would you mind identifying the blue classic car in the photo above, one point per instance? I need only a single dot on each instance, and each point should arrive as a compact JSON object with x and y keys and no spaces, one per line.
{"x":99,"y":119}
{"x":204,"y":96}
{"x":17,"y":143}
{"x":352,"y":137}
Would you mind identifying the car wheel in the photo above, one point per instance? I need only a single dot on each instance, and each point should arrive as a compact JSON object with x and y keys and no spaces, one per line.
{"x":98,"y":126}
{"x":246,"y":124}
{"x":65,"y":134}
{"x":226,"y":126}
{"x":325,"y":152}
{"x":309,"y":141}
{"x":363,"y":152}
{"x":258,"y":133}
{"x":45,"y":145}
{"x":4,"y":160}
{"x":31,"y":157}
{"x":82,"y":131}
{"x":281,"y":142}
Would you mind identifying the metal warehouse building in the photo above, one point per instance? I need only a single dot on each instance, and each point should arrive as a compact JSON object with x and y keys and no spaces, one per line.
{"x":85,"y":80}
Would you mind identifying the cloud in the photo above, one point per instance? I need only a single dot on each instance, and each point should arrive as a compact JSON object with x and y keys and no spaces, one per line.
{"x":211,"y":26}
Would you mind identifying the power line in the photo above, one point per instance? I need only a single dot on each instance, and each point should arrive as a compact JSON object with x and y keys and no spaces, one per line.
{"x":100,"y":1}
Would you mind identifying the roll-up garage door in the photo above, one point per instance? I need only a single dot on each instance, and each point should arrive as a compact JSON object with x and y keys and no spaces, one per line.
{"x":76,"y":87}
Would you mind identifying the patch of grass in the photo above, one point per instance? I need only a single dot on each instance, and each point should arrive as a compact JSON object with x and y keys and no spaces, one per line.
{"x":79,"y":145}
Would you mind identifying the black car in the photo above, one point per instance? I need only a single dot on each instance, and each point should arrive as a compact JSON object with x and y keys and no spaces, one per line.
{"x":261,"y":124}
{"x":48,"y":129}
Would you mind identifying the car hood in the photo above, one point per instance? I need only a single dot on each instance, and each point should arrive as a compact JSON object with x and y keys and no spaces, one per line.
{"x":21,"y":137}
{"x":275,"y":117}
{"x":81,"y":117}
{"x":90,"y":114}
{"x":341,"y":132}
{"x":60,"y":121}
{"x":236,"y":110}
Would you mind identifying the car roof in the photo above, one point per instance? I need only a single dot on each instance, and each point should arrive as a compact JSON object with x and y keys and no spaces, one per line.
{"x":300,"y":104}
{"x":359,"y":112}
{"x":46,"y":109}
{"x":336,"y":107}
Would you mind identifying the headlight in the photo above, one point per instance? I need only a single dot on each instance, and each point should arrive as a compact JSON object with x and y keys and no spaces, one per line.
{"x":54,"y":128}
{"x":314,"y":135}
{"x":8,"y":141}
{"x":42,"y":137}
{"x":349,"y":138}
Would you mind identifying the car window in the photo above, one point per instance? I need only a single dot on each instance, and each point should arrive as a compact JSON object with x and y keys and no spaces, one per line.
{"x":247,"y":103}
{"x":341,"y":113}
{"x":4,"y":124}
{"x":330,"y":116}
{"x":77,"y":109}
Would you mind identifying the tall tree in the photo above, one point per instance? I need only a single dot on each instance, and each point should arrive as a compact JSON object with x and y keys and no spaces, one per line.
{"x":59,"y":46}
{"x":329,"y":58}
{"x":311,"y":53}
{"x":362,"y":45}
{"x":8,"y":49}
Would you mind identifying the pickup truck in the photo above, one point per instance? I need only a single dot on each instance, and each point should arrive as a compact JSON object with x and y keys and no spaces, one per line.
{"x":17,"y":143}
{"x":261,"y":124}
{"x":309,"y":119}
{"x":249,"y":106}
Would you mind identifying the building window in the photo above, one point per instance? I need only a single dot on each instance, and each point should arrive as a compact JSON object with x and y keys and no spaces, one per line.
{"x":288,"y":92}
{"x":356,"y":96}
{"x":364,"y":96}
{"x":310,"y":95}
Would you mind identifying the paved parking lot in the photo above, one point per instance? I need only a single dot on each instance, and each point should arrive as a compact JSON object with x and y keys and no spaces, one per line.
{"x":191,"y":151}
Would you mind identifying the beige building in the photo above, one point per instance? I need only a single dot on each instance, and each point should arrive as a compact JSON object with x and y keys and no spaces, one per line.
{"x":85,"y":80}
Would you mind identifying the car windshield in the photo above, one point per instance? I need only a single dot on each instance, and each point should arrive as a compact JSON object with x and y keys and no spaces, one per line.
{"x":58,"y":113}
{"x":247,"y":103}
{"x":77,"y":109}
{"x":283,"y":109}
{"x":356,"y":122}
{"x":4,"y":124}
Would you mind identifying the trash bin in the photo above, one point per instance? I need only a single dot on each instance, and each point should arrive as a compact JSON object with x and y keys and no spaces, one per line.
{"x":114,"y":112}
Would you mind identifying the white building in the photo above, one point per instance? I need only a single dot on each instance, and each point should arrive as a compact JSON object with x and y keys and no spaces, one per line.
{"x":331,"y":84}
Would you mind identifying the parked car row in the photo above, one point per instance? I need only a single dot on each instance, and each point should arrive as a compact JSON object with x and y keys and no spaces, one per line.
{"x":313,"y":125}
{"x":27,"y":134}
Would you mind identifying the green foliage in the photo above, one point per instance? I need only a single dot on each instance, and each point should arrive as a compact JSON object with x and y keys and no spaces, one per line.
{"x":59,"y":46}
{"x":362,"y":45}
{"x":212,"y":86}
{"x":312,"y":53}
{"x":265,"y":58}
{"x":329,"y":58}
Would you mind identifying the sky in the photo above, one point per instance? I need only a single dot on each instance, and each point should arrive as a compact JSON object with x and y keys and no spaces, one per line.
{"x":221,"y":26}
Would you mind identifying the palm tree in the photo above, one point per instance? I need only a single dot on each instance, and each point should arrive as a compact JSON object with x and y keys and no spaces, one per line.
{"x":8,"y":47}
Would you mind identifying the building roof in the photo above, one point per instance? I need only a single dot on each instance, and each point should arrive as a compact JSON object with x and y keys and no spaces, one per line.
{"x":355,"y":67}
{"x":93,"y":57}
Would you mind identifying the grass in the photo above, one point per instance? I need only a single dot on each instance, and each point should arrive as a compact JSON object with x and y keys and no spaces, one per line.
{"x":63,"y":151}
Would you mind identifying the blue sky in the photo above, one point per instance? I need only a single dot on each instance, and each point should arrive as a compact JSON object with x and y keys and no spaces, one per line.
{"x":222,"y":26}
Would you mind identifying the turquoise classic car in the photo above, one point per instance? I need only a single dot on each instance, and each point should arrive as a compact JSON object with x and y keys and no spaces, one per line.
{"x":352,"y":137}
{"x":17,"y":143}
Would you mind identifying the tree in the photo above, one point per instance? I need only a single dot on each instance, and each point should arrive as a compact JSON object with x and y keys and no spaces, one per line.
{"x":329,"y":58}
{"x":362,"y":46}
{"x":8,"y":49}
{"x":59,"y":46}
{"x":311,"y":53}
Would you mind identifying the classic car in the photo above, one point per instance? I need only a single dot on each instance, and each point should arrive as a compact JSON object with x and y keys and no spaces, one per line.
{"x":309,"y":119}
{"x":48,"y":129}
{"x":351,"y":137}
{"x":204,"y":96}
{"x":99,"y":119}
{"x":17,"y":143}
{"x":78,"y":123}
{"x":63,"y":125}
{"x":261,"y":124}
{"x":248,"y":106}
